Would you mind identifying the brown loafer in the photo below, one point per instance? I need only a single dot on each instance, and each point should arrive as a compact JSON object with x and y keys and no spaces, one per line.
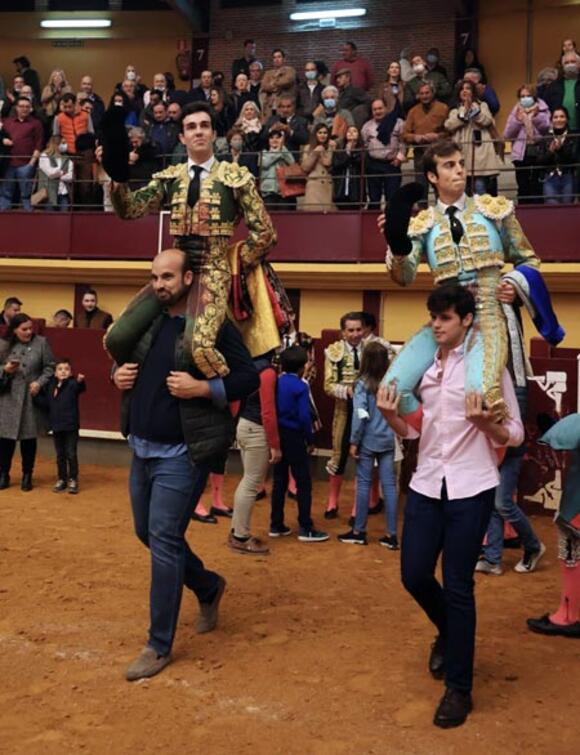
{"x":252,"y":545}
{"x":147,"y":664}
{"x":208,"y":612}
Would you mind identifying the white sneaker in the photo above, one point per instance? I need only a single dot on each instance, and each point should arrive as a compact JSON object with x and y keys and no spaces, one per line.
{"x":486,"y":567}
{"x":529,"y":561}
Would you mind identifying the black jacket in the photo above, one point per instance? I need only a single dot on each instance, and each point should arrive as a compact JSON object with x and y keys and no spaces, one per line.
{"x":347,"y":175}
{"x":297,"y":139}
{"x":62,"y":403}
{"x":554,"y":97}
{"x":308,"y":101}
{"x":207,"y":429}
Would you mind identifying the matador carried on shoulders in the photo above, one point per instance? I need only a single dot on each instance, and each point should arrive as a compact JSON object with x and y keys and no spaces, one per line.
{"x":207,"y":198}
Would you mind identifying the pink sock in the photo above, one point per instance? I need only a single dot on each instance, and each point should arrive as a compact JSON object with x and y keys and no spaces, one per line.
{"x":334,"y":492}
{"x":567,"y":613}
{"x":508,"y":531}
{"x":291,"y":484}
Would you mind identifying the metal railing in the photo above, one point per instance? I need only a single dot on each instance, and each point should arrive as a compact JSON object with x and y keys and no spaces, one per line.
{"x":527,"y":181}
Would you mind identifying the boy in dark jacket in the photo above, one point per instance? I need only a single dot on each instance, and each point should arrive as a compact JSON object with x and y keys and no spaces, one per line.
{"x":62,"y":400}
{"x":295,"y":430}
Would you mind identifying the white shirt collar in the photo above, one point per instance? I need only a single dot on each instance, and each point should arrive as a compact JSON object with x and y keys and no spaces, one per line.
{"x":206,"y":166}
{"x":460,"y":204}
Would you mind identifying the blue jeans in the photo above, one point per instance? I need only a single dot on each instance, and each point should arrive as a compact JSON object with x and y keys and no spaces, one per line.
{"x":364,"y":480}
{"x":22,"y":176}
{"x":504,"y":506}
{"x":559,"y":189}
{"x":161,"y":498}
{"x":455,"y":529}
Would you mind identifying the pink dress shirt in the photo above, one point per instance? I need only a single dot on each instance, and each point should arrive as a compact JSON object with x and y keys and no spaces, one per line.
{"x":451,"y":447}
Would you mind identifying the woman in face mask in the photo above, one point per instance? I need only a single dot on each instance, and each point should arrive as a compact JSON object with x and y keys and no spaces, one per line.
{"x":337,"y":121}
{"x":237,"y":151}
{"x":55,"y":175}
{"x":527,"y":123}
{"x":558,"y":158}
{"x":131,"y":74}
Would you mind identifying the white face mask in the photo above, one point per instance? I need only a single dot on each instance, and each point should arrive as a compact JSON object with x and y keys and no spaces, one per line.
{"x":131,"y":75}
{"x":571,"y":69}
{"x":419,"y":68}
{"x":62,"y":148}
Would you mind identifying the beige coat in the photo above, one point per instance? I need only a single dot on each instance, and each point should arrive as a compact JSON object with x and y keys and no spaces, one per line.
{"x":318,"y":195}
{"x":275,"y":82}
{"x":479,"y":158}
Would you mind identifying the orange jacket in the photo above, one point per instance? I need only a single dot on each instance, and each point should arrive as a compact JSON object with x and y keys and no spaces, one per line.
{"x":69,"y":128}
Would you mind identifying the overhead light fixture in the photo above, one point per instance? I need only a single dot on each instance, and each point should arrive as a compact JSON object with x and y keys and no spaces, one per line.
{"x":318,"y":15}
{"x":76,"y":23}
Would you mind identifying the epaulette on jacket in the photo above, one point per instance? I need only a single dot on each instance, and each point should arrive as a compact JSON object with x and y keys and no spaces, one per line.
{"x":494,"y":208}
{"x":174,"y":171}
{"x":335,"y":351}
{"x":233,"y":175}
{"x":422,"y":222}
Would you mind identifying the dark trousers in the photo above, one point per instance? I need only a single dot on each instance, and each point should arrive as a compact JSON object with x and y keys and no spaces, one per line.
{"x":27,"y":452}
{"x":294,"y":457}
{"x":161,"y":498}
{"x":455,"y":529}
{"x":382,"y":178}
{"x":65,"y":446}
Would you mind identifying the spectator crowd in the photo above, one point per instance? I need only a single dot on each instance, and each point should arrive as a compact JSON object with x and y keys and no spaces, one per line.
{"x":315,"y":137}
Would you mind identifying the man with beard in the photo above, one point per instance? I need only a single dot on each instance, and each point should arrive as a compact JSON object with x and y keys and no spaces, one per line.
{"x":175,"y":420}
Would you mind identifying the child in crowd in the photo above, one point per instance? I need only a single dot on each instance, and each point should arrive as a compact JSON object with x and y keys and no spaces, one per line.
{"x":372,"y":438}
{"x":295,"y":430}
{"x":61,"y":396}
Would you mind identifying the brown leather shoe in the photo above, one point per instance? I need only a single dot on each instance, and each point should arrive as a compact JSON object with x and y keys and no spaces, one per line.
{"x":147,"y":664}
{"x":208,"y":612}
{"x":253,"y":545}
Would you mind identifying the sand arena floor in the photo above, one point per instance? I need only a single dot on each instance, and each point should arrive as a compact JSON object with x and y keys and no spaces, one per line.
{"x":319,"y":650}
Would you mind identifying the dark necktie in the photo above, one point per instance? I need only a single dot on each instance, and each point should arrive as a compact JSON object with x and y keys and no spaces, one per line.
{"x":457,"y":229}
{"x":356,"y":361}
{"x":194,"y":184}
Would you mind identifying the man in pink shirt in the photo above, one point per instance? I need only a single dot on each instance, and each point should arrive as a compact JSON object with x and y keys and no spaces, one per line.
{"x":451,"y":494}
{"x":361,"y":71}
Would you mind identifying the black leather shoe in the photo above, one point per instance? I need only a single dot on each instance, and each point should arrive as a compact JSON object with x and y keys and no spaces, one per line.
{"x":543,"y":625}
{"x":214,"y":511}
{"x":261,"y":494}
{"x":292,"y":496}
{"x":26,"y":483}
{"x":331,"y":514}
{"x":4,"y":480}
{"x":437,"y":658}
{"x":204,"y":518}
{"x":453,"y":709}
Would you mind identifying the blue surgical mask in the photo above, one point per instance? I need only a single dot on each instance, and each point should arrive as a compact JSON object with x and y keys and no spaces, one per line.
{"x":310,"y":75}
{"x":329,"y":103}
{"x":527,"y":101}
{"x":432,"y":58}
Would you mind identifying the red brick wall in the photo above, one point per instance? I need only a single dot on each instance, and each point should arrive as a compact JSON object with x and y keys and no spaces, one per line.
{"x":389,"y":26}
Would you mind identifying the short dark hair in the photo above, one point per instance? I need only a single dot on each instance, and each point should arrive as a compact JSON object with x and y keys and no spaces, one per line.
{"x":351,"y":316}
{"x":197,"y":107}
{"x":63,"y":360}
{"x":451,"y":296}
{"x":248,"y":42}
{"x":23,"y":99}
{"x":293,"y":359}
{"x":440,"y":148}
{"x":279,"y":49}
{"x":369,"y":320}
{"x":69,"y":97}
{"x":23,"y":60}
{"x":90,"y":291}
{"x":64,"y":313}
{"x":11,"y":300}
{"x":351,"y":44}
{"x":563,"y":109}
